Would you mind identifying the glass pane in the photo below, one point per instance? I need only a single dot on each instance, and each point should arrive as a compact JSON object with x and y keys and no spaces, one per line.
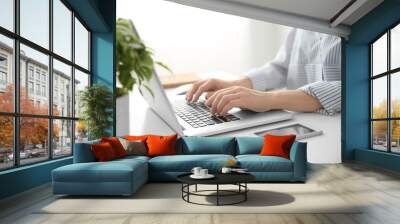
{"x":33,"y":139}
{"x":62,"y":29}
{"x":6,"y":74}
{"x":81,"y":131}
{"x":379,"y":98}
{"x":35,"y":21}
{"x":62,"y":138}
{"x":81,"y":81}
{"x":379,"y":135}
{"x":395,"y":47}
{"x":395,"y":135}
{"x":62,"y":89}
{"x":395,"y":94}
{"x":34,"y":97}
{"x":81,"y":45}
{"x":6,"y":142}
{"x":7,"y":14}
{"x":379,"y":55}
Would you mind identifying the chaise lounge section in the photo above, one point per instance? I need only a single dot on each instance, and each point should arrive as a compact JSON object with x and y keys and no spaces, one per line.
{"x":125,"y":176}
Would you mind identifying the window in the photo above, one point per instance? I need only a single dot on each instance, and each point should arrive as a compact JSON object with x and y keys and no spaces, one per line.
{"x":47,"y":74}
{"x":30,"y":88}
{"x":34,"y":21}
{"x":3,"y":78}
{"x":6,"y":73}
{"x":385,"y":92}
{"x":3,"y":61}
{"x":62,"y":29}
{"x":62,"y":74}
{"x":7,"y":14}
{"x":30,"y":72}
{"x":38,"y":89}
{"x":44,"y":91}
{"x":81,"y":45}
{"x":38,"y":74}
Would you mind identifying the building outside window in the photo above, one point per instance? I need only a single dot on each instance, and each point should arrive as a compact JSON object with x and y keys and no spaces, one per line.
{"x":59,"y":127}
{"x":385,"y":92}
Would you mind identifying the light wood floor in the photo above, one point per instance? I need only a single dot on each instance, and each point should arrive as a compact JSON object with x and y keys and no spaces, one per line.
{"x":379,"y":189}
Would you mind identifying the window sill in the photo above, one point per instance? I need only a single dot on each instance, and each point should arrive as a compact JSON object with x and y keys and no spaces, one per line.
{"x":26,"y":167}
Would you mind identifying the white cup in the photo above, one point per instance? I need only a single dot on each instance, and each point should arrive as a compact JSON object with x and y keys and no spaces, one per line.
{"x":226,"y":170}
{"x":196,"y":171}
{"x":203,"y":172}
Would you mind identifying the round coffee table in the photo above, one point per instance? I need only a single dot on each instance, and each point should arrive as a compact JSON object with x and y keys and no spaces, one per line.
{"x":238,"y":179}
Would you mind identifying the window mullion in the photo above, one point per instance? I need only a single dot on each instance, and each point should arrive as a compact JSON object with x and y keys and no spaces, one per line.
{"x":16,"y":70}
{"x":50,"y":81}
{"x":73,"y":82}
{"x":389,"y":101}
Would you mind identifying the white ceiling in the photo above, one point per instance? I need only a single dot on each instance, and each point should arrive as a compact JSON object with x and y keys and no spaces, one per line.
{"x":321,"y":9}
{"x":315,"y":15}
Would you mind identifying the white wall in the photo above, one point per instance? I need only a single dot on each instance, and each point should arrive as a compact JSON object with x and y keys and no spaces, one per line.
{"x":195,"y":40}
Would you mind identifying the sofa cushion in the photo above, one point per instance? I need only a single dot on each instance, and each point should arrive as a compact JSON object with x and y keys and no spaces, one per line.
{"x":257,"y":163}
{"x":206,"y":145}
{"x":116,"y":145}
{"x":277,"y":145}
{"x":112,"y":171}
{"x":161,"y":145}
{"x":134,"y":147}
{"x":103,"y":152}
{"x":249,"y":145}
{"x":185,"y":163}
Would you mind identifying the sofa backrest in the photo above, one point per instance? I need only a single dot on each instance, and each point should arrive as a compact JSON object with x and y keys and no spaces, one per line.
{"x":83,"y":152}
{"x":206,"y":145}
{"x":249,"y":145}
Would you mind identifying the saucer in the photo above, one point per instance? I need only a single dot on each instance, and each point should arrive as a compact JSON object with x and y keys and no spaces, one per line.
{"x":208,"y":176}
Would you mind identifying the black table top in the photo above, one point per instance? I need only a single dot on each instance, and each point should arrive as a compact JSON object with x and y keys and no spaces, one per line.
{"x":220,"y":178}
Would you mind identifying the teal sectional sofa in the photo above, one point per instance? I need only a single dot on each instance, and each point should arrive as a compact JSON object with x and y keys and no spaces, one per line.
{"x":125,"y":176}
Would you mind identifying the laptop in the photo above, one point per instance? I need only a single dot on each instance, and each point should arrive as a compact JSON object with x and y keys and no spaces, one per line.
{"x":195,"y":119}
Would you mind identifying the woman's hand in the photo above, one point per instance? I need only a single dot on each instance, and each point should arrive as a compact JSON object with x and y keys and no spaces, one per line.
{"x":209,"y":86}
{"x":225,"y":99}
{"x":294,"y":100}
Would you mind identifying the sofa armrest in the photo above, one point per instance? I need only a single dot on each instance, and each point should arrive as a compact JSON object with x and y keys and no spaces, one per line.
{"x":298,"y":155}
{"x":83,"y":152}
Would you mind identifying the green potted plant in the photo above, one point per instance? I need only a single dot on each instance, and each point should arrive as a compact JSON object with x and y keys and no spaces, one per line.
{"x":96,"y":103}
{"x":135,"y":64}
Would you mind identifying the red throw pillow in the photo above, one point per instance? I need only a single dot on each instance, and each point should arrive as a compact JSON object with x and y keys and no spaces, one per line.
{"x":103,"y":152}
{"x":277,"y":145}
{"x":161,"y":145}
{"x":116,"y":145}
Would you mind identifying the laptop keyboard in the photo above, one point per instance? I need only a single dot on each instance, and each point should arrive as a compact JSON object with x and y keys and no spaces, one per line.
{"x":199,"y":115}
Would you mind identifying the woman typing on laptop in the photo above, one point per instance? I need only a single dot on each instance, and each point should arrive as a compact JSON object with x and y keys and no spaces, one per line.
{"x":304,"y":77}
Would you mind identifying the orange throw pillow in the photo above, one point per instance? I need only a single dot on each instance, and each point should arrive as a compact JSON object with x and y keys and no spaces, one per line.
{"x":277,"y":145}
{"x":103,"y":152}
{"x":136,"y":138}
{"x":116,"y":145}
{"x":161,"y":145}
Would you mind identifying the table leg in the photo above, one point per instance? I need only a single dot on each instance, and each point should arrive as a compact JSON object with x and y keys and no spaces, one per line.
{"x":188,"y":190}
{"x":245,"y":193}
{"x":195,"y":188}
{"x":217,"y":194}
